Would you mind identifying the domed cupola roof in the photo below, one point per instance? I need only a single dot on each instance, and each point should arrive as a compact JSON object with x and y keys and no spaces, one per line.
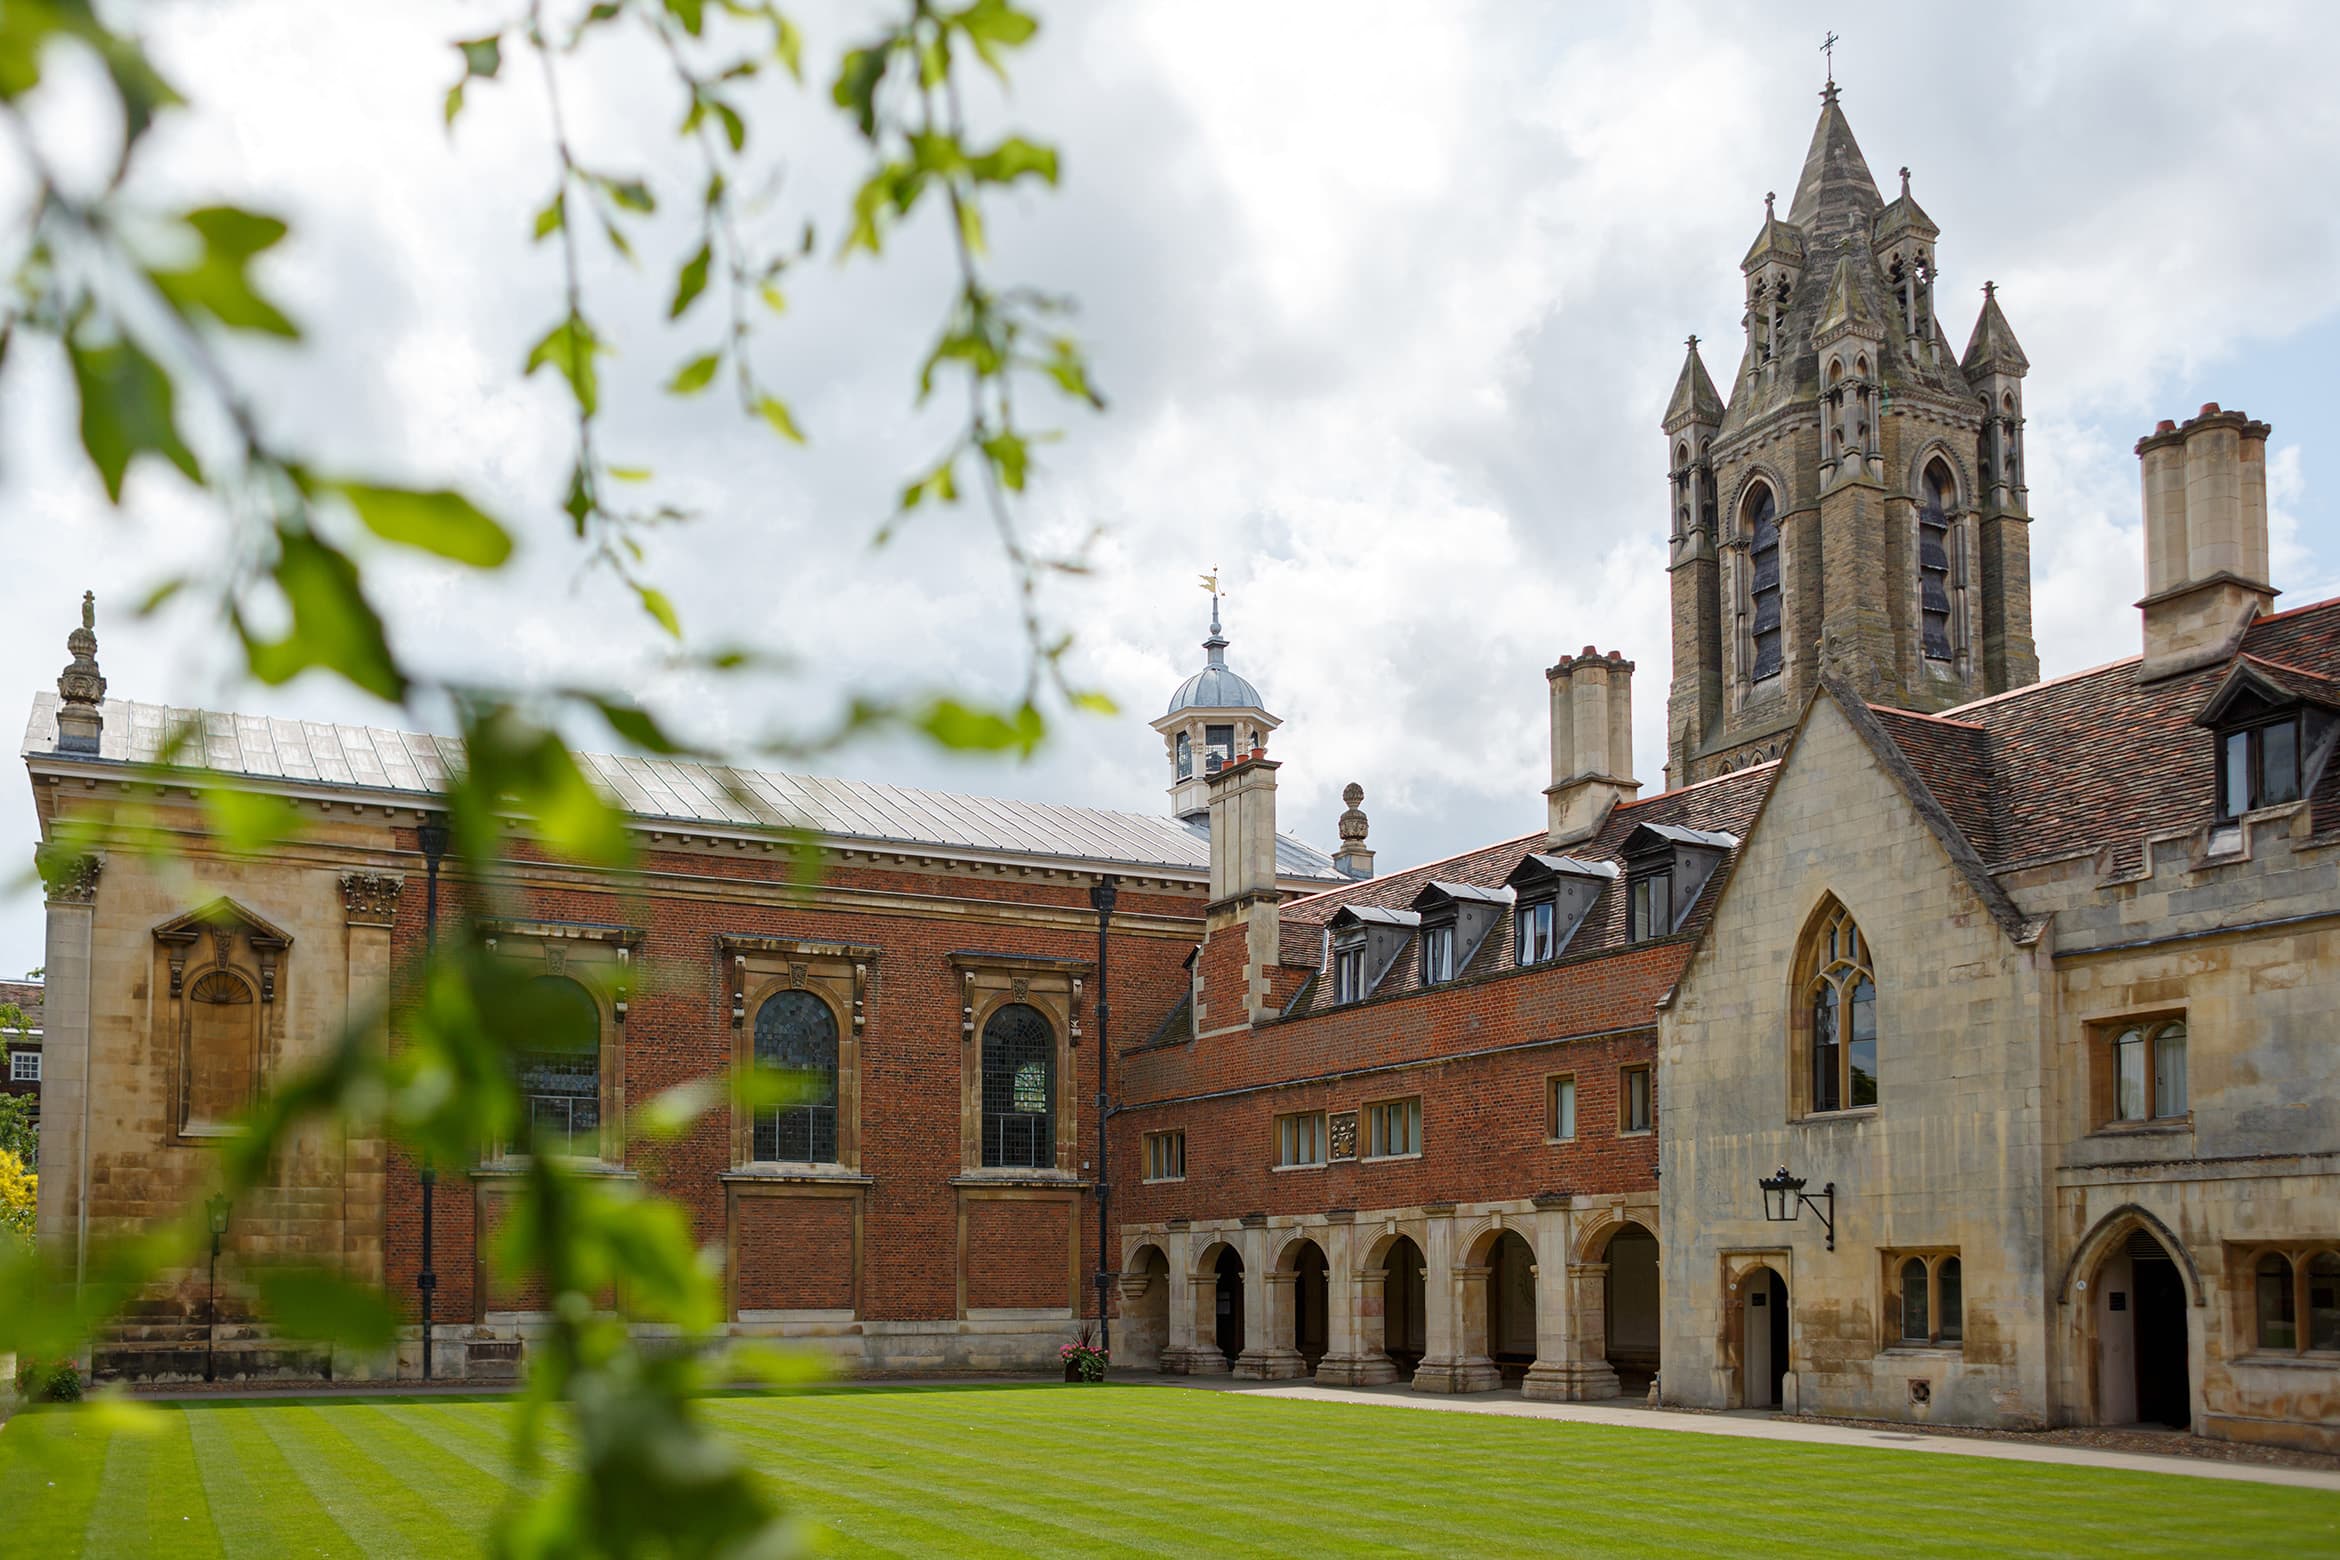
{"x":1217,"y":686}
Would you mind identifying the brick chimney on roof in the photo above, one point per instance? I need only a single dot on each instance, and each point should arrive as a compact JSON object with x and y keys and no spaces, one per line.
{"x":1242,"y":929}
{"x":1592,"y":742}
{"x":2206,"y":568}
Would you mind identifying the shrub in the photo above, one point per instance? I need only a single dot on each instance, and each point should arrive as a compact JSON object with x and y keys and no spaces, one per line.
{"x":48,"y":1381}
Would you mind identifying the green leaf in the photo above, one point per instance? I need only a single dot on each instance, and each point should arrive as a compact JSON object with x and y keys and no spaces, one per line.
{"x":632,"y":194}
{"x":250,"y":822}
{"x":454,"y":104}
{"x":855,"y":90}
{"x":126,"y":411}
{"x":1093,"y":702}
{"x":1015,"y":158}
{"x":690,"y":281}
{"x":691,"y":13}
{"x":788,"y":45}
{"x":940,"y":484}
{"x":482,"y":56}
{"x":570,"y":347}
{"x":554,"y":214}
{"x":775,"y":411}
{"x":964,"y":728}
{"x":630,"y":473}
{"x":695,"y":375}
{"x":734,"y":127}
{"x":439,"y":522}
{"x":313,"y":1304}
{"x":333,"y":625}
{"x":993,"y":26}
{"x":1011,"y":457}
{"x":633,"y":724}
{"x":655,"y":603}
{"x":517,"y":764}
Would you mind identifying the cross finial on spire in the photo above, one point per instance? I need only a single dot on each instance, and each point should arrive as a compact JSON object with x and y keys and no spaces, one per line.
{"x":1990,"y":291}
{"x":1828,"y":47}
{"x":1769,"y":196}
{"x":1693,"y":343}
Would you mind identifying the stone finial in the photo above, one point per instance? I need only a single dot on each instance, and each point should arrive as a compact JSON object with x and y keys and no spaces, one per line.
{"x":81,"y":687}
{"x":1905,"y":184}
{"x":1353,"y":858}
{"x":1770,"y":198}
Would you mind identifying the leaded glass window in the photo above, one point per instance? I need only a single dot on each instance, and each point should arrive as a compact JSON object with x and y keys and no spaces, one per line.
{"x":796,"y":1043}
{"x":1763,"y":589}
{"x":559,"y":1070}
{"x":1843,"y":994}
{"x":1916,"y":1319}
{"x":1934,"y":517}
{"x":2149,"y":1072}
{"x":1019,"y":1089}
{"x":2278,"y":1318}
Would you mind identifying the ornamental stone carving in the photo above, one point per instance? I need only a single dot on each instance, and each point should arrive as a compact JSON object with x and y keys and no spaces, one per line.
{"x":1344,"y":1134}
{"x":371,"y":898}
{"x":71,"y":880}
{"x":81,"y":687}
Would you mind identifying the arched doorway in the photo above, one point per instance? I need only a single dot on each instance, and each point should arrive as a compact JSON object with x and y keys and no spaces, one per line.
{"x":2141,"y":1343}
{"x":1404,"y":1296}
{"x":1228,"y":1304}
{"x":1763,"y":1344}
{"x":1511,"y":1306}
{"x":1144,"y":1328}
{"x":1311,"y":1296}
{"x":1632,"y":1300}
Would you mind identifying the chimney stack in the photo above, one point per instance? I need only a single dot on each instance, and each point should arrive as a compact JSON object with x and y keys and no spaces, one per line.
{"x":2206,"y":568}
{"x":1242,"y":929}
{"x":81,"y":687}
{"x":1592,"y":742}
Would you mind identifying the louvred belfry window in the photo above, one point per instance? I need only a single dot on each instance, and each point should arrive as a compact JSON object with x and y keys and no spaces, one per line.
{"x":796,"y":1042}
{"x":1019,"y":1089}
{"x":1763,"y":582}
{"x":1934,"y":561}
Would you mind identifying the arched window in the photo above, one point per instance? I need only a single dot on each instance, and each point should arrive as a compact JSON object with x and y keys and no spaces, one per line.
{"x":1761,"y":525}
{"x":1019,"y":1089}
{"x":1939,"y":504}
{"x":2278,"y":1316}
{"x":221,"y":1062}
{"x":1185,"y":756}
{"x":796,"y":1049}
{"x":559,"y":1068}
{"x":1842,"y":992}
{"x":1916,"y":1318}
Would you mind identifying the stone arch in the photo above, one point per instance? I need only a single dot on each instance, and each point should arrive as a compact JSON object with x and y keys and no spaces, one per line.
{"x":2118,"y":1226}
{"x":1761,"y":1341}
{"x":1303,"y":1274}
{"x":1393,"y":1283}
{"x":1631,"y":1327}
{"x":1144,"y":1329}
{"x":1759,"y":474}
{"x":1961,"y":473}
{"x":1499,"y":1318}
{"x":1218,"y":1282}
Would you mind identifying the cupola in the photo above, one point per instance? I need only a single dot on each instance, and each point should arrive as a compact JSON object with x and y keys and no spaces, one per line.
{"x":1214,"y":718}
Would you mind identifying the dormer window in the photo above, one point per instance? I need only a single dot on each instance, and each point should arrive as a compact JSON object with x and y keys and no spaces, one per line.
{"x":1666,"y":867}
{"x":1437,"y":954}
{"x":2258,"y":766}
{"x":1349,"y":971}
{"x":1366,"y":943}
{"x":1553,"y":895}
{"x":1536,"y":943}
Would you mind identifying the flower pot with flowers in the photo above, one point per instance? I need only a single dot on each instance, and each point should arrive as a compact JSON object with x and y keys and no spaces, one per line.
{"x":1084,"y":1361}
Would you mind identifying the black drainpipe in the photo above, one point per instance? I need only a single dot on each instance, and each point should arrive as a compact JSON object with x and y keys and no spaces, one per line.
{"x":432,"y":837}
{"x":1102,"y":896}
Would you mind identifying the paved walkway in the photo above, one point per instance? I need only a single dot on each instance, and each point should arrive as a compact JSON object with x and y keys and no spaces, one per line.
{"x":1762,"y":1426}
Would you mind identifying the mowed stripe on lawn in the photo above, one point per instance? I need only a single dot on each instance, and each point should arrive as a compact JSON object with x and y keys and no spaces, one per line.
{"x":1058,"y":1470}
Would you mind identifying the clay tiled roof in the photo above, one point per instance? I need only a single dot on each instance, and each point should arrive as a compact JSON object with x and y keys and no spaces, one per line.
{"x":1726,"y":804}
{"x":27,"y":995}
{"x":2097,"y":760}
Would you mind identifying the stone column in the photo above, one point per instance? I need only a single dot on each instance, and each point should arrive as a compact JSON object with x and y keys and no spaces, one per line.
{"x":1454,"y":1318}
{"x":370,"y":905}
{"x":1354,"y":1332}
{"x":61,"y":1214}
{"x":1589,"y":1374}
{"x":1550,"y":1378}
{"x":1189,"y":1351}
{"x":1267,"y":1354}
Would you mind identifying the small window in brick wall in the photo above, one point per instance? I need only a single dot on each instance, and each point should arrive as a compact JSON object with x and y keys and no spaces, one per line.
{"x":1393,"y":1128}
{"x":1166,"y":1156}
{"x":1300,"y":1138}
{"x":24,"y":1067}
{"x":1636,"y":1100}
{"x":1562,"y":1120}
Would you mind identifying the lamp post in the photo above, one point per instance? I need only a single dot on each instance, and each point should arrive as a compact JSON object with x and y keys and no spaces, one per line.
{"x":1103,"y":896}
{"x":215,"y":1208}
{"x":1784,"y":1200}
{"x":432,"y":837}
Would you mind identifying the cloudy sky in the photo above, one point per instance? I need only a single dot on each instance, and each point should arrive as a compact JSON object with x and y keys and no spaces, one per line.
{"x":1388,"y":300}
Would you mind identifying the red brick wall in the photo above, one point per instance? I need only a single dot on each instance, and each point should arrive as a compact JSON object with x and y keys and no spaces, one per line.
{"x":1016,"y":1252}
{"x":912,"y":1050}
{"x":795,"y":1253}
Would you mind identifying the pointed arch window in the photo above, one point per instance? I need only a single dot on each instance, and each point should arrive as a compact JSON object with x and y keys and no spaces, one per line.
{"x":1763,"y":586}
{"x":1938,"y":508}
{"x":1019,"y":1089}
{"x":796,"y":1049}
{"x":1840,"y":1001}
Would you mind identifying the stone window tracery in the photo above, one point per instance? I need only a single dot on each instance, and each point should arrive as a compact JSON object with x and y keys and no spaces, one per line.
{"x":1839,"y":1007}
{"x":2295,"y":1301}
{"x":1930,"y":1303}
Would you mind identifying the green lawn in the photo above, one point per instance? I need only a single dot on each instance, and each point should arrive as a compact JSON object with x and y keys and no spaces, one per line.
{"x":1067,"y":1470}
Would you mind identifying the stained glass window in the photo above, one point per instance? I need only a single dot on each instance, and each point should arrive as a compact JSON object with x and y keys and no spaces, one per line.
{"x":1019,"y":1088}
{"x":796,"y":1043}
